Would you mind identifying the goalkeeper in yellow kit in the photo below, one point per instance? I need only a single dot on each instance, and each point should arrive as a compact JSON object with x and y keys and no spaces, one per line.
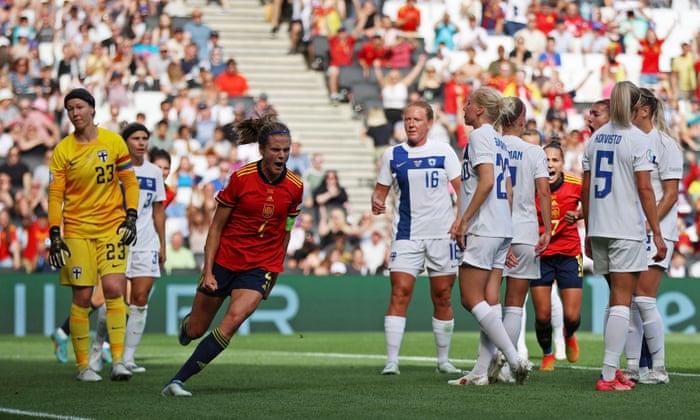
{"x":86,"y":197}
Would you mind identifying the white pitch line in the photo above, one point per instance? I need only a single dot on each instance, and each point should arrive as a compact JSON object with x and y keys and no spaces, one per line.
{"x":39,"y":415}
{"x":423,"y":359}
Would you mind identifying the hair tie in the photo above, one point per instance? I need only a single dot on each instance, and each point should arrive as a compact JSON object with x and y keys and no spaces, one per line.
{"x":273,"y":132}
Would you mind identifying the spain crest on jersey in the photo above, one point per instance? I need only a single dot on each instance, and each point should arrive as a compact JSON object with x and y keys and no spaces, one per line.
{"x":268,"y":210}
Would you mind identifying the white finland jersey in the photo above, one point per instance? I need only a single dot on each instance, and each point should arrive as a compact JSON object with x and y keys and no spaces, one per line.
{"x":493,"y":218}
{"x":151,"y":189}
{"x":526,"y":163}
{"x":613,"y":154}
{"x":668,"y":165}
{"x":420,"y":177}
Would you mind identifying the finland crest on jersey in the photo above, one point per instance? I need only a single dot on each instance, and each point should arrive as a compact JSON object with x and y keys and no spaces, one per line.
{"x":420,"y":177}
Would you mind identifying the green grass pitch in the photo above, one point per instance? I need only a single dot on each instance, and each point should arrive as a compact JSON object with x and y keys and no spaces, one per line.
{"x":335,"y":376}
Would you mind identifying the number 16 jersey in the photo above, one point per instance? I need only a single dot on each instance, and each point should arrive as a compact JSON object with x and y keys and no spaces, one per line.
{"x":420,"y":177}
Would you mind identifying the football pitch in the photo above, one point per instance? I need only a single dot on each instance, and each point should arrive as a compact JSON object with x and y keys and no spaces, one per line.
{"x":335,"y":376}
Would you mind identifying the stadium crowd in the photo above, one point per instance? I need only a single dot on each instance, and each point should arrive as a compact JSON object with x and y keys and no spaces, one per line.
{"x":120,"y":49}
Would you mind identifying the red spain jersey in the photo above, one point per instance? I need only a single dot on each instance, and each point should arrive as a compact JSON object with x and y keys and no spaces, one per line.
{"x":565,"y":237}
{"x":252,"y":237}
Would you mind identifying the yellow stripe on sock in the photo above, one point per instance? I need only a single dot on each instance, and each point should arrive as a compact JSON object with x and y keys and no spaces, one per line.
{"x":219,"y":336}
{"x":116,"y":324}
{"x":80,"y":332}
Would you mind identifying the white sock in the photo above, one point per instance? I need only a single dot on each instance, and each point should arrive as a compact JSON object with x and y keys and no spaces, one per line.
{"x":653,"y":329}
{"x":489,"y":319}
{"x":615,"y":337}
{"x":512,"y":322}
{"x":557,"y":318}
{"x":522,"y":345}
{"x":101,"y":328}
{"x":486,"y":352}
{"x":443,"y":336}
{"x":394,"y":327}
{"x":633,"y":346}
{"x":135,"y":324}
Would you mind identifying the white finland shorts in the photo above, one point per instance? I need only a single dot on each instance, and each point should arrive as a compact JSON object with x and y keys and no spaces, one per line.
{"x":440,"y":257}
{"x":486,"y":252}
{"x":618,"y":255}
{"x":651,"y":251}
{"x":142,"y":264}
{"x":528,"y":263}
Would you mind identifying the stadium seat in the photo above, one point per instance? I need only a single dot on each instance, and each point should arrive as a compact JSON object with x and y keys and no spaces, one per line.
{"x":246,"y":102}
{"x":321,"y":57}
{"x":178,"y":22}
{"x":348,"y":76}
{"x":361,"y":93}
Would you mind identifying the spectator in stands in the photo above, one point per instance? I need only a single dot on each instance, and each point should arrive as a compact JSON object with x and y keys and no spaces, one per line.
{"x":358,"y":263}
{"x":261,"y":107}
{"x":204,"y":125}
{"x":473,"y":36}
{"x":431,"y":84}
{"x":633,"y":28}
{"x":378,"y":128}
{"x":457,"y":90}
{"x":117,"y":90}
{"x":445,"y":31}
{"x":503,"y":77}
{"x":20,"y":175}
{"x":496,"y":66}
{"x":36,"y":251}
{"x":341,"y":48}
{"x":535,"y":40}
{"x":564,"y":41}
{"x":493,"y":16}
{"x":190,"y":66}
{"x":594,"y":41}
{"x":198,"y":225}
{"x":472,"y":70}
{"x":7,"y":195}
{"x":400,"y":53}
{"x":549,"y":60}
{"x":554,"y":87}
{"x":376,"y":252}
{"x":612,"y":71}
{"x":299,"y":161}
{"x":332,"y":224}
{"x":387,"y":30}
{"x":515,"y":16}
{"x":546,"y":17}
{"x":161,"y":137}
{"x":176,"y":45}
{"x":40,"y":173}
{"x":35,"y":114}
{"x":231,"y":81}
{"x":21,"y":81}
{"x":157,"y":65}
{"x":528,"y":93}
{"x":683,"y":76}
{"x":370,"y":52}
{"x":9,"y":242}
{"x":650,"y":50}
{"x":8,"y":110}
{"x":677,"y":268}
{"x":330,"y":194}
{"x":179,"y":256}
{"x":520,"y":56}
{"x":441,"y":62}
{"x":408,"y":17}
{"x":573,"y":21}
{"x":217,"y":65}
{"x":198,"y":32}
{"x":142,"y":83}
{"x":395,"y":88}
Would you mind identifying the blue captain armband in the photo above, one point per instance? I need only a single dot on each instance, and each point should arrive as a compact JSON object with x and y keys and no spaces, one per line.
{"x":290,"y":223}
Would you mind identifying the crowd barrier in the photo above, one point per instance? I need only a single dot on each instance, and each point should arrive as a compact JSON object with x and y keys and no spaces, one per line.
{"x":36,"y":304}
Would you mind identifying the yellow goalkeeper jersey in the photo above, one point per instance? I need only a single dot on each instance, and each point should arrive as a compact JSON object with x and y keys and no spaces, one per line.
{"x":85,"y":187}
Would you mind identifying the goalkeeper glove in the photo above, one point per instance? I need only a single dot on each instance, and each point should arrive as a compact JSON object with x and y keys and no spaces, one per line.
{"x":57,"y":248}
{"x":128,"y":228}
